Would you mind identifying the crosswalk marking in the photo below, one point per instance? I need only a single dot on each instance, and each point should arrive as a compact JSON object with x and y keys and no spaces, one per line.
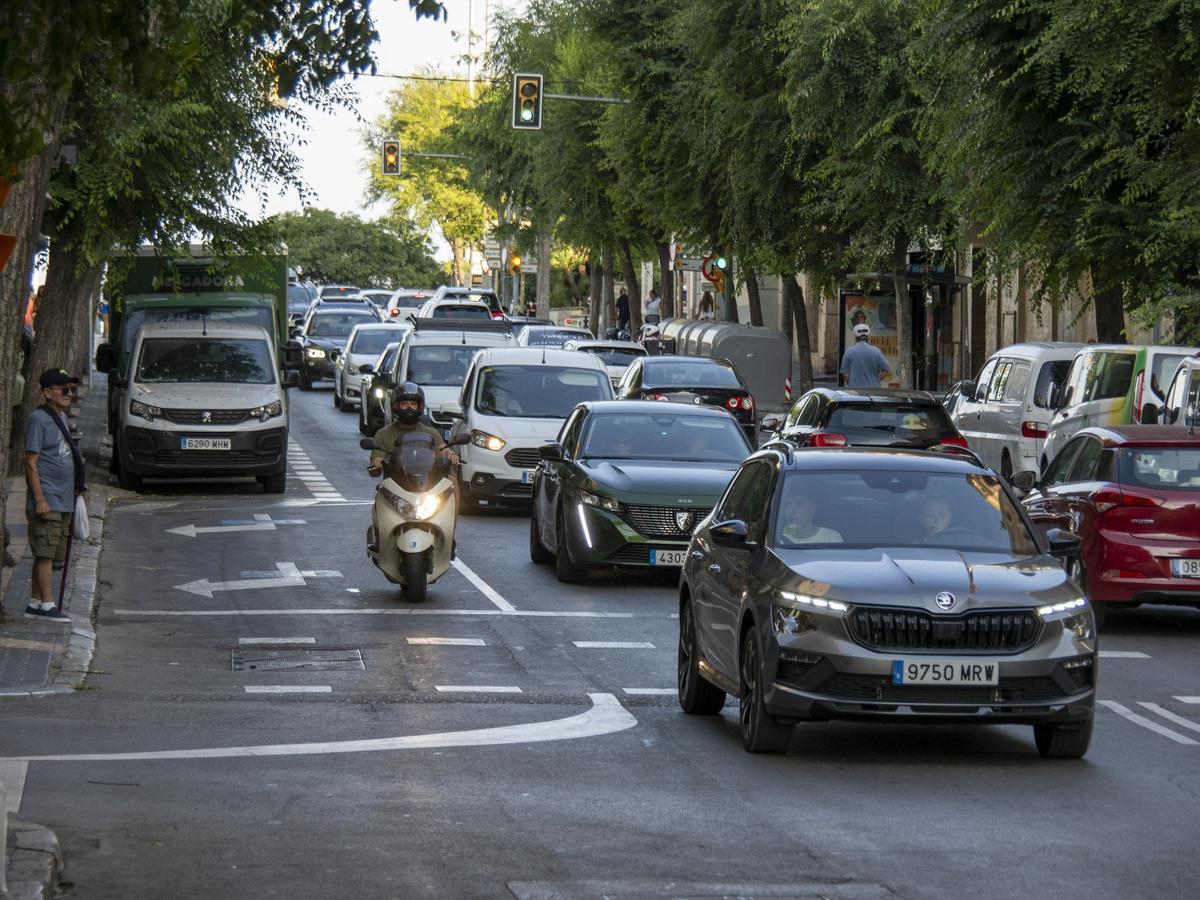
{"x":613,"y":645}
{"x":650,"y":692}
{"x":313,"y":479}
{"x":1193,"y":700}
{"x":1170,"y":716}
{"x":288,"y":689}
{"x":447,"y":642}
{"x":477,"y":689}
{"x":276,"y":640}
{"x":1123,"y":654}
{"x":1150,"y":724}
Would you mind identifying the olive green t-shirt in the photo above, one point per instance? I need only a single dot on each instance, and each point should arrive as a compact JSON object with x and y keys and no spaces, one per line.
{"x":387,"y":437}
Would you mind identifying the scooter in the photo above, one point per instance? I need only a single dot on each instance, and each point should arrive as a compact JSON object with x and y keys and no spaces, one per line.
{"x":411,"y":538}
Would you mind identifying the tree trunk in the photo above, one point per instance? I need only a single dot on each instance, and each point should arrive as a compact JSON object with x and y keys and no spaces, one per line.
{"x":666,"y":278}
{"x":785,"y":311}
{"x":904,"y":324}
{"x":608,"y":292}
{"x":794,"y":298}
{"x":631,"y":285}
{"x":755,"y":298}
{"x":458,"y":269}
{"x":1110,"y":312}
{"x":594,"y":293}
{"x":545,"y":246}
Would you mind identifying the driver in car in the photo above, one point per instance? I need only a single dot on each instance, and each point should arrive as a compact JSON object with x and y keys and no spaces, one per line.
{"x":935,"y":518}
{"x":408,"y":404}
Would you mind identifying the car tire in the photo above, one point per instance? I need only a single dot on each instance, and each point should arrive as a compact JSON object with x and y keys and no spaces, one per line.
{"x":129,"y":481}
{"x":274,"y":484}
{"x":1077,"y":573}
{"x":306,"y":383}
{"x":697,"y":697}
{"x":760,"y":732}
{"x":337,"y":396}
{"x":1070,"y":741}
{"x":564,"y":567}
{"x":537,"y":550}
{"x":413,"y":571}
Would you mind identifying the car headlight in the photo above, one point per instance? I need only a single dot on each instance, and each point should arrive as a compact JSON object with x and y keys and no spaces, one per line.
{"x":267,"y":411}
{"x":816,"y":604}
{"x":1063,"y":610}
{"x":377,"y":393}
{"x":144,"y":410}
{"x":425,"y":506}
{"x":314,"y":353}
{"x":1081,"y":625}
{"x":487,"y":441}
{"x":602,"y":502}
{"x":790,"y":620}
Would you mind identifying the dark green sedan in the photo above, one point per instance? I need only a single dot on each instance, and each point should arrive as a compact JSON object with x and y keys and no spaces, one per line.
{"x":627,"y":482}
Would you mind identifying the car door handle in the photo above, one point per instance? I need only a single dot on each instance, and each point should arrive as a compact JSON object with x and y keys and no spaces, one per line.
{"x":714,"y":569}
{"x":697,"y":554}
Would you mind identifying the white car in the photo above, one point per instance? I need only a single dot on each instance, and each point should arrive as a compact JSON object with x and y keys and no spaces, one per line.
{"x":458,"y":308}
{"x":478,"y":294}
{"x":364,"y":345}
{"x":616,"y":355}
{"x":552,"y":335}
{"x":512,"y":402}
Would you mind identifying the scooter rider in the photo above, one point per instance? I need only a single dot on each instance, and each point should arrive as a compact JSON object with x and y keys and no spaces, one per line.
{"x":408,"y":404}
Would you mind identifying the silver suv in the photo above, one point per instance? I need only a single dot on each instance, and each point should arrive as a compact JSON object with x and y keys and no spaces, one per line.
{"x":883,"y":584}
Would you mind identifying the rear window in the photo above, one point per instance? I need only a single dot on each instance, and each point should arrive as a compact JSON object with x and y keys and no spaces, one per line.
{"x":374,"y":341}
{"x":1160,"y":468}
{"x":538,"y":392}
{"x":410,"y":301}
{"x":615,"y":356}
{"x":689,"y":374}
{"x":336,"y":324}
{"x":1162,"y":370}
{"x":334,"y":293}
{"x":462,"y":311}
{"x":439,"y":365}
{"x":552,"y":337}
{"x":1050,"y":374}
{"x":903,"y":420}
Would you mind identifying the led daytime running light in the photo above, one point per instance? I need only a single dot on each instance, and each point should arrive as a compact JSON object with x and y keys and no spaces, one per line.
{"x":815,"y":602}
{"x":1059,"y":608}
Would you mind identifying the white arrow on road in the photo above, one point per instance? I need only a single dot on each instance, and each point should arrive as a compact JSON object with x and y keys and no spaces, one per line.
{"x":261,"y":522}
{"x":289,"y":575}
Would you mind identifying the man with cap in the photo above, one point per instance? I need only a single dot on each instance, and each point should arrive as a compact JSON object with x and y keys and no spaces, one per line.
{"x":863,"y":365}
{"x":53,"y":476}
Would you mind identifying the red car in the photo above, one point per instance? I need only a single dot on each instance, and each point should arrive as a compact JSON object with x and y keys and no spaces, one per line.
{"x":1132,"y":494}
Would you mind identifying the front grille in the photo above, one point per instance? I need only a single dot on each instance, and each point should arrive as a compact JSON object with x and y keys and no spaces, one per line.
{"x":522,"y":491}
{"x":659,"y":521}
{"x":912,"y":629}
{"x":206,"y":457}
{"x":214,"y":416}
{"x":522,"y":457}
{"x":630,"y":553}
{"x":879,"y":689}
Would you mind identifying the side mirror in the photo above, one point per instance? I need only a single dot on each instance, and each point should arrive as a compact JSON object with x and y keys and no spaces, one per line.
{"x":770,"y":423}
{"x":104,"y":358}
{"x":1024,"y":481}
{"x":967,"y":388}
{"x":294,"y":331}
{"x":459,"y":440}
{"x":731,"y":533}
{"x":1063,"y":544}
{"x":368,"y":443}
{"x":451,"y":410}
{"x":366,"y":369}
{"x":551,"y":452}
{"x":1150,"y":413}
{"x":335,"y":353}
{"x":291,"y":378}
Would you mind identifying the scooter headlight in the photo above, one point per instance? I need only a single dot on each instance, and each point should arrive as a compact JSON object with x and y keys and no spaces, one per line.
{"x":425,"y":506}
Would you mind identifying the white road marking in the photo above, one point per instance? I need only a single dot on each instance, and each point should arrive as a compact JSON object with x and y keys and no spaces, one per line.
{"x":650,"y":692}
{"x":12,"y":776}
{"x":289,"y":576}
{"x":261,"y":522}
{"x":1146,"y":723}
{"x":477,"y":689}
{"x":484,"y":588}
{"x":606,"y":716}
{"x":288,"y":689}
{"x":1188,"y":699}
{"x":1170,"y":716}
{"x":1123,"y":654}
{"x":447,"y":642}
{"x":613,"y":645}
{"x":276,"y":640}
{"x":306,"y":472}
{"x":385,"y":611}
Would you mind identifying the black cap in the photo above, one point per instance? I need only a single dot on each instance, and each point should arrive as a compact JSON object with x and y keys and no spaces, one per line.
{"x":56,"y":377}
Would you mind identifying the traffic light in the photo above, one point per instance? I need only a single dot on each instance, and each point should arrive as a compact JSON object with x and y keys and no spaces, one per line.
{"x":527,"y":101}
{"x":391,"y":157}
{"x":721,"y":263}
{"x":514,"y":263}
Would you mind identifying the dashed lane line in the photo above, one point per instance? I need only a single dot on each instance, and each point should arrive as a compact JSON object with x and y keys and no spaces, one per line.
{"x":262,"y":641}
{"x":484,"y":588}
{"x":288,"y":689}
{"x":1123,"y":654}
{"x":613,"y":645}
{"x":1170,"y":716}
{"x":650,"y":692}
{"x":446,"y":642}
{"x":1193,"y":700}
{"x":12,"y":778}
{"x":1150,"y":724}
{"x":477,"y":689}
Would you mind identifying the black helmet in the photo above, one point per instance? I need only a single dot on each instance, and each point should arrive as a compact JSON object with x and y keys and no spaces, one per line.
{"x":408,"y":391}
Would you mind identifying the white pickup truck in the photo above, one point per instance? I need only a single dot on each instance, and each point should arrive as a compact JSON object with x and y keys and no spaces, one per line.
{"x":203,"y":400}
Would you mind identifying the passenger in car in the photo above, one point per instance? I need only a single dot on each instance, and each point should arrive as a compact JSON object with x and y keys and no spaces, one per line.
{"x":797,"y":512}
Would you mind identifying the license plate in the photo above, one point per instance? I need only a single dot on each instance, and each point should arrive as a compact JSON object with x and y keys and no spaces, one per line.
{"x":1185,"y":568}
{"x":667,"y":557}
{"x":526,"y":478}
{"x":207,"y":443}
{"x":446,"y":435}
{"x":952,"y":672}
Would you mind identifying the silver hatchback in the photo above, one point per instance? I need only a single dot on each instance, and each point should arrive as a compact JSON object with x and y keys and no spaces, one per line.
{"x":887,"y":585}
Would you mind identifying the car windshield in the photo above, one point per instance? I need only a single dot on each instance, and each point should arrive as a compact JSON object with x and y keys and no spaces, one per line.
{"x":896,"y":508}
{"x":1051,"y":373}
{"x":889,"y":422}
{"x":462,"y":311}
{"x":211,"y":360}
{"x":552,"y":337}
{"x":689,"y":375}
{"x":335,"y":324}
{"x":664,"y":436}
{"x":373,"y":341}
{"x":538,"y":392}
{"x":440,"y":365}
{"x":615,"y":356}
{"x":1160,"y":468}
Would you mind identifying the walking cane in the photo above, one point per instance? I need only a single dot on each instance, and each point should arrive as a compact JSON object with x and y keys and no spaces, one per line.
{"x":62,"y":588}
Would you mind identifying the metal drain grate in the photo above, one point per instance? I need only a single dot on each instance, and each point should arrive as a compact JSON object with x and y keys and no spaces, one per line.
{"x":297,"y":660}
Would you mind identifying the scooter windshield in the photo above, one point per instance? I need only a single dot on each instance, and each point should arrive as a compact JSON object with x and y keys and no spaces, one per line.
{"x":414,"y":464}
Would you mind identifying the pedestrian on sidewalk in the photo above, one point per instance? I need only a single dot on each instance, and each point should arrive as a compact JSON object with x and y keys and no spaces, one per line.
{"x":863,"y":365}
{"x":54,"y":477}
{"x":653,"y":304}
{"x":623,"y":311}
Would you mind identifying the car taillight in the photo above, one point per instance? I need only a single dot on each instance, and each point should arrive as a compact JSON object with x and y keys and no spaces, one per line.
{"x":1137,"y":397}
{"x":1033,"y":429}
{"x":827,"y":439}
{"x":1107,"y":498}
{"x":663,"y":397}
{"x":733,"y":402}
{"x":955,"y":440}
{"x":747,"y":402}
{"x":394,"y":311}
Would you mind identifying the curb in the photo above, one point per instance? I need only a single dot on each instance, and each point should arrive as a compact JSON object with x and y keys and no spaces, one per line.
{"x":33,"y":861}
{"x":75,"y":663}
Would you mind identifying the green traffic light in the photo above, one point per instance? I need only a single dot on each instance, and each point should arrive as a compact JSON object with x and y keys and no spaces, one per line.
{"x":526,"y":114}
{"x":721,"y":263}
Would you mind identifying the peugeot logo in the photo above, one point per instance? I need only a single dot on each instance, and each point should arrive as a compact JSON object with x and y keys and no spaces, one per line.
{"x":206,"y":416}
{"x":944,"y":600}
{"x":684,"y":520}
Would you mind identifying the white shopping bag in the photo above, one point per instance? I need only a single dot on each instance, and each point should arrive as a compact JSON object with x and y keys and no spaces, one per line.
{"x":82,"y":530}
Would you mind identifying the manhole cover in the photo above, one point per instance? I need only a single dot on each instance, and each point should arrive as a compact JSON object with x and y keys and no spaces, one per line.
{"x":306,"y":660}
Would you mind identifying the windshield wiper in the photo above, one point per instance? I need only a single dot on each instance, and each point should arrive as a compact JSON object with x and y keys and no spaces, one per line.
{"x":891,"y":428}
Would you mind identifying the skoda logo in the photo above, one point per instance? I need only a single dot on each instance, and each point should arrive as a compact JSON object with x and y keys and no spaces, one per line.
{"x":944,"y":600}
{"x":206,"y":416}
{"x":684,"y":520}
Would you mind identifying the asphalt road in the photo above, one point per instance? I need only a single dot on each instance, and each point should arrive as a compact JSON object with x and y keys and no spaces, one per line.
{"x":477,"y":746}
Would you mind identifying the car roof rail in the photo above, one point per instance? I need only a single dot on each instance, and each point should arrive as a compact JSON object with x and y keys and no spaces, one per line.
{"x":956,"y":450}
{"x":497,"y":326}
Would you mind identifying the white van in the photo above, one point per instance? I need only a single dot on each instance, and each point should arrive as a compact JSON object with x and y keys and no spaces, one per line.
{"x":1005,"y":412}
{"x":203,"y":400}
{"x":513,"y":402}
{"x":1180,"y":406}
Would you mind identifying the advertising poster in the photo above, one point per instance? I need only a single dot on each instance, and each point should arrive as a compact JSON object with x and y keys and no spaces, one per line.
{"x":879,"y":313}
